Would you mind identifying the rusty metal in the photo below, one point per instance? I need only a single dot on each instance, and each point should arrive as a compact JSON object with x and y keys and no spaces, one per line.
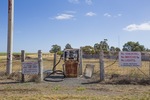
{"x":71,"y":68}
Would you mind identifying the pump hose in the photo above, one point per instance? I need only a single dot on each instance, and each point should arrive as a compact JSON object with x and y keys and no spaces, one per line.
{"x":55,"y":71}
{"x":54,"y":67}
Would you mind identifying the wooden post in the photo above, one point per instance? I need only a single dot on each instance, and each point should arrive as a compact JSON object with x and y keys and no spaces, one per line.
{"x":102,"y":72}
{"x":80,"y":61}
{"x":40,"y":62}
{"x":54,"y":63}
{"x":22,"y":60}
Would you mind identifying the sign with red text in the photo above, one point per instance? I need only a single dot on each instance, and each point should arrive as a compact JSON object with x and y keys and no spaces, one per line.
{"x":30,"y":68}
{"x":130,"y":59}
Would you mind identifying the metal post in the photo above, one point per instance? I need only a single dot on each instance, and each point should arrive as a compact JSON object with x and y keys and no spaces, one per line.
{"x":40,"y":62}
{"x":10,"y":36}
{"x":55,"y":56}
{"x":102,"y":72}
{"x":22,"y":60}
{"x":80,"y":61}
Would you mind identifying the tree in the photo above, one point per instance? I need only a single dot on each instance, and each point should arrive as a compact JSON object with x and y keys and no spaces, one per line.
{"x":147,"y":49}
{"x":117,"y":49}
{"x":55,"y":48}
{"x":68,"y":46}
{"x":112,"y":48}
{"x":103,"y":45}
{"x":97,"y":48}
{"x":133,"y":46}
{"x":88,"y":50}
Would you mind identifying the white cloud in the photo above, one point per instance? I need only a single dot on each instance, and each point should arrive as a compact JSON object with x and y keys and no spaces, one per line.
{"x":64,"y":17}
{"x":119,"y":15}
{"x":74,"y":1}
{"x":90,"y":14}
{"x":113,"y":16}
{"x":135,"y":27}
{"x":71,"y":12}
{"x":89,"y":2}
{"x":107,"y":15}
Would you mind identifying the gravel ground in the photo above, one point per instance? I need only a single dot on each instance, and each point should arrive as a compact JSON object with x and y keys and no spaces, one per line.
{"x":71,"y":87}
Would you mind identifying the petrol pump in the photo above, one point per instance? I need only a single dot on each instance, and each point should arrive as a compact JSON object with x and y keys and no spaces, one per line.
{"x":71,"y":62}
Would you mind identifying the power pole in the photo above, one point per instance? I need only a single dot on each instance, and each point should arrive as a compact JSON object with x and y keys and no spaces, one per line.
{"x":10,"y":36}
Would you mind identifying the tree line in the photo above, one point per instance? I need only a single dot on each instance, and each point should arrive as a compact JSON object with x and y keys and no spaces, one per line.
{"x":102,"y":45}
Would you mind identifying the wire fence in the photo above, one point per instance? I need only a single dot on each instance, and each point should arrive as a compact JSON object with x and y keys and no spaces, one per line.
{"x":118,"y":74}
{"x":16,"y":75}
{"x":113,"y":72}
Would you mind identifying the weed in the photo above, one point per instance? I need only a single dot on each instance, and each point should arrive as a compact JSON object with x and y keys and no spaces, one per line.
{"x":7,"y":87}
{"x":56,"y":88}
{"x":79,"y":88}
{"x":15,"y":76}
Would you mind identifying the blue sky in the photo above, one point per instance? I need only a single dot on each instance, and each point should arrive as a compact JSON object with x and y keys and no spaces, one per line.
{"x":38,"y":24}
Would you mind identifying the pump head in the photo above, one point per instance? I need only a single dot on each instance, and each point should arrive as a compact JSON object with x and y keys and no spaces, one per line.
{"x":71,"y":54}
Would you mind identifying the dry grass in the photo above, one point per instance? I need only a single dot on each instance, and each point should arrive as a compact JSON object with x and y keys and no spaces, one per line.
{"x":57,"y":91}
{"x":71,"y":97}
{"x":51,"y":91}
{"x":114,"y":69}
{"x":2,"y":57}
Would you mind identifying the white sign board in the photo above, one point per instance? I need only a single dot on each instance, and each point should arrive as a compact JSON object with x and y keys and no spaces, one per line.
{"x":89,"y":69}
{"x":30,"y":68}
{"x":130,"y":59}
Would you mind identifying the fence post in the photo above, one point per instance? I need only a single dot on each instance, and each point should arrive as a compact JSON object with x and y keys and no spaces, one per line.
{"x":102,"y":72}
{"x":80,"y":61}
{"x":22,"y":60}
{"x":40,"y":62}
{"x":149,"y":65}
{"x":54,"y":63}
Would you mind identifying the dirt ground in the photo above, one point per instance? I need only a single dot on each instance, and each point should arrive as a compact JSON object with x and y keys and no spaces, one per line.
{"x":71,"y":89}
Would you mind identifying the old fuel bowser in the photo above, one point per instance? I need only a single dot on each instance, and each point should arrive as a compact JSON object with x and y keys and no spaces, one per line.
{"x":71,"y":62}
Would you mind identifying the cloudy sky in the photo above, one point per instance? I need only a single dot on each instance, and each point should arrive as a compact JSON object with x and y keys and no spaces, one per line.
{"x":38,"y":24}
